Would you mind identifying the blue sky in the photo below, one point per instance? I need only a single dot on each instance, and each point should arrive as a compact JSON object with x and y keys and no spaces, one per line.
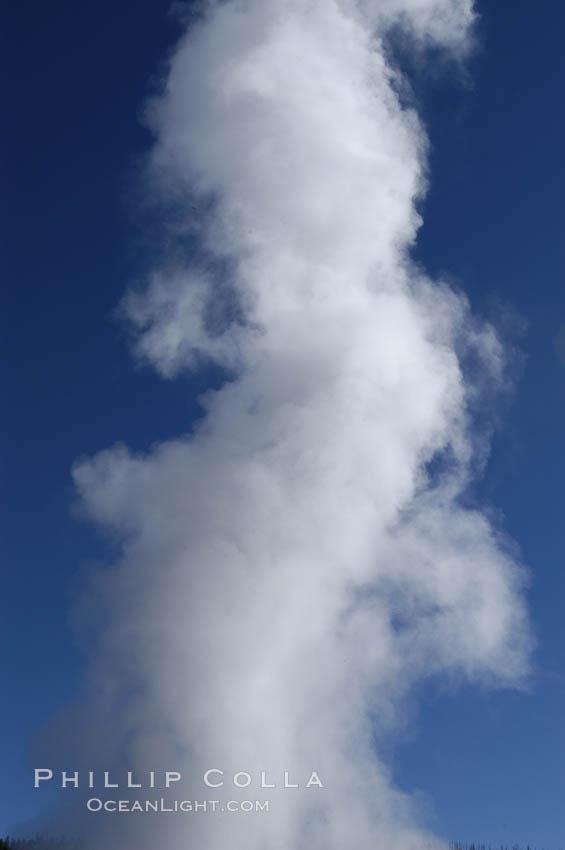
{"x":492,"y":763}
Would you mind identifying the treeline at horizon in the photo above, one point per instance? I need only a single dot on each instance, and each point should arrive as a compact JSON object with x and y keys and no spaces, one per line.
{"x":40,"y":843}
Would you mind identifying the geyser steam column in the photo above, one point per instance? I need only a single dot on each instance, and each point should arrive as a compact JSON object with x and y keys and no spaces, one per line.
{"x":288,"y":569}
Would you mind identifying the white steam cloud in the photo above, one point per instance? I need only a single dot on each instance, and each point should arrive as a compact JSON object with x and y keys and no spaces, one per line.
{"x":293,"y":567}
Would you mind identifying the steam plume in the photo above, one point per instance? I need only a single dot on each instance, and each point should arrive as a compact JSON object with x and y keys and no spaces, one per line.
{"x":294,"y":566}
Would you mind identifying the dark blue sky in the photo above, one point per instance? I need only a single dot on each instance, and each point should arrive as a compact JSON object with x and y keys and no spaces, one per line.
{"x":75,"y":79}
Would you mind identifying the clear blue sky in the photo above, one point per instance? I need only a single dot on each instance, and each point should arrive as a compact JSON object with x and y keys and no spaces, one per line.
{"x":75,"y":78}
